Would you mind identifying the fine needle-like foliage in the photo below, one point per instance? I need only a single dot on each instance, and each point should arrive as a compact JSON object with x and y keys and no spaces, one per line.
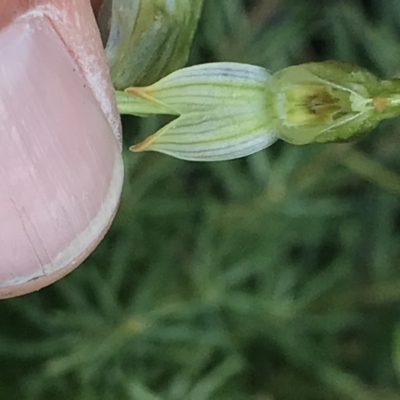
{"x":272,"y":277}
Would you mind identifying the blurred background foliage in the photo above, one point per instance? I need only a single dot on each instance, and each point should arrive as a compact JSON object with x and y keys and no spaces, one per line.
{"x":275,"y":277}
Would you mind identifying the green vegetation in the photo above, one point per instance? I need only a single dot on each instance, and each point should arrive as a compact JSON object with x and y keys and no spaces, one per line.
{"x":274,"y":277}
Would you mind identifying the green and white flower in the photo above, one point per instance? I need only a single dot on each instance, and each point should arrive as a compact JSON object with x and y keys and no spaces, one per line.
{"x":229,"y":110}
{"x":222,"y":112}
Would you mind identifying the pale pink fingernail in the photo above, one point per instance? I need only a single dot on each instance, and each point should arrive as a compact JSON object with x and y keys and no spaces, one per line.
{"x":60,"y":165}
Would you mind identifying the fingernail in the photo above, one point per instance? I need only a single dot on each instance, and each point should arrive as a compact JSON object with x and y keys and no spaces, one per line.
{"x":60,"y":166}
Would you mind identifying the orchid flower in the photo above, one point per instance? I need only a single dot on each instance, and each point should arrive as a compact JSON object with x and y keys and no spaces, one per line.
{"x":229,"y":110}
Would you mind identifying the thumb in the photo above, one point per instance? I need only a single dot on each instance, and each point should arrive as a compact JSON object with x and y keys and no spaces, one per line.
{"x":60,"y":164}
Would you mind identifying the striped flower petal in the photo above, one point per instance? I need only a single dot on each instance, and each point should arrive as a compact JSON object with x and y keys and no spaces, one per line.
{"x":224,"y":112}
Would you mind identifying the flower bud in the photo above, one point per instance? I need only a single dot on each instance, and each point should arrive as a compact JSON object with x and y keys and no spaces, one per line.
{"x":147,"y":39}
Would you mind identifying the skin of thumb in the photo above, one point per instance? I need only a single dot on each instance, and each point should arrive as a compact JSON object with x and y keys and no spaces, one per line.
{"x":74,"y":21}
{"x":60,"y":141}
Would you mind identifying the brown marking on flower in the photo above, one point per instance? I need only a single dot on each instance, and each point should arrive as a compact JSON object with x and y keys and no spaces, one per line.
{"x":322,"y":103}
{"x":380,"y":103}
{"x":139,"y":92}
